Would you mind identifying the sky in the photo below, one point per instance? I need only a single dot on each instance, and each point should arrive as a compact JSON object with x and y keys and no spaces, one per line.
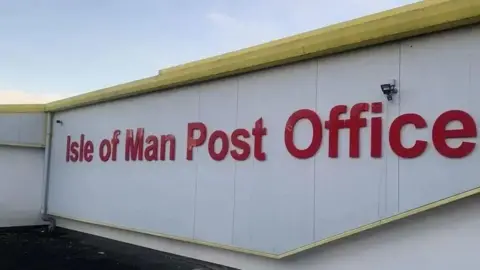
{"x":52,"y":49}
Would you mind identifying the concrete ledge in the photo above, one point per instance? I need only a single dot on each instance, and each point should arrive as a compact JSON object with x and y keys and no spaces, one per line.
{"x":16,"y":218}
{"x":433,"y":236}
{"x":21,"y":145}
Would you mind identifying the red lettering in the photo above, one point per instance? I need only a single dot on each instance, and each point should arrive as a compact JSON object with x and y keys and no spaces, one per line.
{"x":74,"y":147}
{"x":242,"y":148}
{"x":395,"y":135}
{"x":151,"y":151}
{"x":334,"y":124}
{"x":314,"y":146}
{"x":240,"y":144}
{"x":88,"y":153}
{"x":355,"y":123}
{"x":114,"y":143}
{"x":376,"y":131}
{"x":258,"y":132}
{"x":134,"y":145}
{"x":79,"y":151}
{"x":170,"y":139}
{"x":105,"y":150}
{"x":82,"y":146}
{"x":440,"y":134}
{"x":191,"y":140}
{"x":218,"y":134}
{"x":69,"y":139}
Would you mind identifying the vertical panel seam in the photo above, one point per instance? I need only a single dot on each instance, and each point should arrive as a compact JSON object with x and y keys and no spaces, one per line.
{"x":400,"y":44}
{"x":45,"y":123}
{"x":235,"y":167}
{"x":196,"y":170}
{"x":471,"y":55}
{"x":383,"y":198}
{"x":315,"y":161}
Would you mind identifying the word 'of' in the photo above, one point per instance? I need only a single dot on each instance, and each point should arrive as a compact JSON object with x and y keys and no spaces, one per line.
{"x":154,"y":148}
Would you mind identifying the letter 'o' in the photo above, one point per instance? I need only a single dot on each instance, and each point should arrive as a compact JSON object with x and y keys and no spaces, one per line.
{"x":316,"y":141}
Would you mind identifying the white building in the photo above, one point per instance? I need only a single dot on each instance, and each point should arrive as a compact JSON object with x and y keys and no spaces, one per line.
{"x":286,"y":155}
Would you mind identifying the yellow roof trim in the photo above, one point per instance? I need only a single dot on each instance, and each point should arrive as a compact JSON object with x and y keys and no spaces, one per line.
{"x":403,"y":22}
{"x":22,"y":108}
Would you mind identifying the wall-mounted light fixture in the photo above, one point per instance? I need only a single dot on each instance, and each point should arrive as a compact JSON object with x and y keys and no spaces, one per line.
{"x":389,"y":89}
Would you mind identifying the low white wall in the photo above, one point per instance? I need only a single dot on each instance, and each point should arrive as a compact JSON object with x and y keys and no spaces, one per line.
{"x":22,"y":128}
{"x":21,"y":185}
{"x":443,"y":238}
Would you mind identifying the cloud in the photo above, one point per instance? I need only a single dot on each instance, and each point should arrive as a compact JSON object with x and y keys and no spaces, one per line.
{"x":234,"y":32}
{"x":21,"y":97}
{"x":238,"y":26}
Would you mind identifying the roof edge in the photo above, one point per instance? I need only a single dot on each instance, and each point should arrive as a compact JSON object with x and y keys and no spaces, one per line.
{"x":22,"y":108}
{"x":395,"y":24}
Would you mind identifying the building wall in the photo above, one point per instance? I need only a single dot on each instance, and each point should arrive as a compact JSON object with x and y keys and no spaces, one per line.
{"x":22,"y":128}
{"x":21,"y":186}
{"x":285,"y":202}
{"x":22,"y":136}
{"x":439,"y":239}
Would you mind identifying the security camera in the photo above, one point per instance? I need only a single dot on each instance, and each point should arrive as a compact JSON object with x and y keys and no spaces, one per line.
{"x":389,"y":89}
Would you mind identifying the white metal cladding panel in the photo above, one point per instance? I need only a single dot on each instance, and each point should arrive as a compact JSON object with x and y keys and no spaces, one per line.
{"x":281,"y":203}
{"x":152,"y":196}
{"x":439,"y":73}
{"x":274,"y":199}
{"x":22,"y":128}
{"x":352,"y":192}
{"x":215,"y":190}
{"x":21,"y":186}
